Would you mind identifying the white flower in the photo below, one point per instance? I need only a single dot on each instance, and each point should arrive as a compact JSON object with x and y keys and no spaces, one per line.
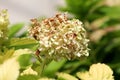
{"x":9,"y":70}
{"x":60,"y":37}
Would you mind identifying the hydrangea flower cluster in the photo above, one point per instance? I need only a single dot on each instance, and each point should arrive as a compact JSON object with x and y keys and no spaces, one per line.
{"x":59,"y":37}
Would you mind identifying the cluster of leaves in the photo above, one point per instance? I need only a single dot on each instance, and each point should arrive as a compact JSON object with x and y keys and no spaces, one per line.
{"x":103,"y":26}
{"x":13,"y":42}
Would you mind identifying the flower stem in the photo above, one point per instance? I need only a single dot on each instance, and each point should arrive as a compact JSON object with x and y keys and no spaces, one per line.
{"x":43,"y":63}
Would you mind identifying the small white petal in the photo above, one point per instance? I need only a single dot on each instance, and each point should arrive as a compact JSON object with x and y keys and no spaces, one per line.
{"x":78,"y":54}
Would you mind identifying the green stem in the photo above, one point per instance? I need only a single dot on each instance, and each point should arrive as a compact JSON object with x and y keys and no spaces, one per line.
{"x":42,"y":67}
{"x":43,"y":63}
{"x":39,"y":59}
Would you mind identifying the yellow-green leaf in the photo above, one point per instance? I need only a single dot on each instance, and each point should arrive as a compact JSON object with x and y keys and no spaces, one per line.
{"x":22,"y":41}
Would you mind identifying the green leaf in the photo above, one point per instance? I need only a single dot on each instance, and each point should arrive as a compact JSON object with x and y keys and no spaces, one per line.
{"x":15,"y":28}
{"x":28,"y":77}
{"x":53,"y":67}
{"x":115,"y":43}
{"x":6,"y":55}
{"x":112,"y":12}
{"x":25,"y":60}
{"x":22,"y":42}
{"x":82,"y":9}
